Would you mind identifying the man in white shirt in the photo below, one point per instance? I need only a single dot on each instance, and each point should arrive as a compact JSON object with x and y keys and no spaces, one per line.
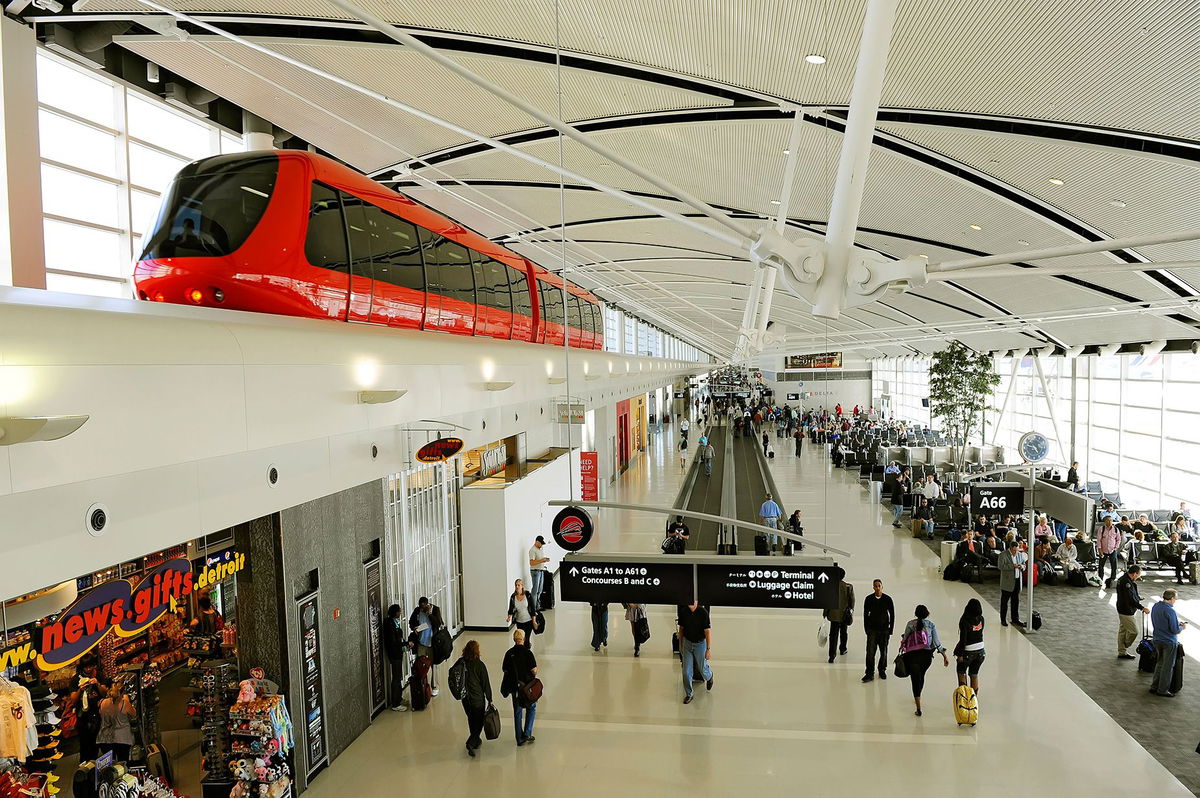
{"x":537,"y":571}
{"x":931,"y":490}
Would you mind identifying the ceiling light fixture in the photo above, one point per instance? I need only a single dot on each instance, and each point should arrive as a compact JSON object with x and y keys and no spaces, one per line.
{"x":814,"y":58}
{"x":23,"y":429}
{"x":774,"y":202}
{"x":976,"y":227}
{"x":787,"y":152}
{"x":1118,"y":203}
{"x":1057,"y":181}
{"x":1022,"y":242}
{"x":380,"y":397}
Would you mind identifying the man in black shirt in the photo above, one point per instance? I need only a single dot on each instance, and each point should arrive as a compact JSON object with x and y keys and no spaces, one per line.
{"x":879,"y":618}
{"x":1073,"y":477}
{"x":695,"y":646}
{"x":677,"y":536}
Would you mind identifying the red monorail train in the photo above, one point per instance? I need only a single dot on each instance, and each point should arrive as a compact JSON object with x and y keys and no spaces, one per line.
{"x":298,"y":234}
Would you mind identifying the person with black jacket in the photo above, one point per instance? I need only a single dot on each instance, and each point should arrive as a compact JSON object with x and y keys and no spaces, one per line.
{"x":1073,"y":477}
{"x":520,"y":668}
{"x":969,"y":653}
{"x":879,"y":618}
{"x":395,"y":646}
{"x":424,"y":622}
{"x":477,"y":694}
{"x":1128,"y":603}
{"x":840,"y":617}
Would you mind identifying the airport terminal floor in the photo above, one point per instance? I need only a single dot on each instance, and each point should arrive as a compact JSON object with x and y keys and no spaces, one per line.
{"x":779,"y":717}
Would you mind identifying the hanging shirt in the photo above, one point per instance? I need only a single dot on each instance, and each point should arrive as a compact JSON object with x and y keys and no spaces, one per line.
{"x":18,"y":727}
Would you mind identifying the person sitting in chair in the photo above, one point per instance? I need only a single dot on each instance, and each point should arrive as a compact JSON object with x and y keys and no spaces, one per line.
{"x":1068,"y":556}
{"x":969,"y":553}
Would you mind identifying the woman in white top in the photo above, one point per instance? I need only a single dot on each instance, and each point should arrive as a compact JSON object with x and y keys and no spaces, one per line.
{"x":521,"y":610}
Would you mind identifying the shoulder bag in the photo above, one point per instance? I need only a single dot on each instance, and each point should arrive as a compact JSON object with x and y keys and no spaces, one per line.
{"x":531,"y":691}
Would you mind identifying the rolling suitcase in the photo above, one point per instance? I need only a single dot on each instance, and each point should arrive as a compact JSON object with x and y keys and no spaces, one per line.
{"x":420,"y":691}
{"x":761,"y":548}
{"x":548,"y":592}
{"x":1147,"y":656}
{"x":966,"y":706}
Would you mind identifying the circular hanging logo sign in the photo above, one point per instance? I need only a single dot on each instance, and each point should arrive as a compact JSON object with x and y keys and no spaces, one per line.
{"x":439,"y":450}
{"x":571,"y":529}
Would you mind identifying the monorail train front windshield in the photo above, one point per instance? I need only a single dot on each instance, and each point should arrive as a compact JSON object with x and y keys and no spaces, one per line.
{"x":213,"y":206}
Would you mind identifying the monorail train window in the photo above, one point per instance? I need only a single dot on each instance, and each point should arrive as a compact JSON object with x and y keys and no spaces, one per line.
{"x":213,"y":206}
{"x":395,"y":249}
{"x":520,"y":292}
{"x":325,"y":242}
{"x":358,"y":233}
{"x":499,"y":296}
{"x":456,"y":279}
{"x":574,"y":317}
{"x":597,"y":320}
{"x":552,"y":303}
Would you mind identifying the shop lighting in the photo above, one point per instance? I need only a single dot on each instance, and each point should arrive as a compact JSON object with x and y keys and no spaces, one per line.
{"x":27,"y":429}
{"x":380,"y":397}
{"x":498,"y":385}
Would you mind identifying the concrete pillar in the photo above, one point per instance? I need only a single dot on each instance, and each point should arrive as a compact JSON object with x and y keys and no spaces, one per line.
{"x":257,"y":133}
{"x":22,"y":246}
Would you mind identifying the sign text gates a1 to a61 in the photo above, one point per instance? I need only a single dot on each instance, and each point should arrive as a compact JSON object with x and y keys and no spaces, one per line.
{"x":652,"y":582}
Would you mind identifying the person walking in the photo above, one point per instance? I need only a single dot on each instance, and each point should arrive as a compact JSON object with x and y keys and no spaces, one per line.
{"x":798,"y":437}
{"x":879,"y":618}
{"x":766,"y":442}
{"x":707,"y":453}
{"x":537,"y":570}
{"x":796,"y":527}
{"x":695,"y":646}
{"x":635,"y":613}
{"x":116,"y":729}
{"x":1108,"y":542}
{"x":969,"y":653}
{"x":519,"y":669}
{"x":682,"y":451}
{"x":395,"y":646}
{"x":768,"y":515}
{"x":1010,"y":563}
{"x":840,"y":617}
{"x":899,"y":488}
{"x":521,"y":611}
{"x":684,"y":427}
{"x":477,"y":694}
{"x":424,"y":621}
{"x":1128,"y":603}
{"x":599,"y":624}
{"x":917,"y":645}
{"x":1167,"y":627}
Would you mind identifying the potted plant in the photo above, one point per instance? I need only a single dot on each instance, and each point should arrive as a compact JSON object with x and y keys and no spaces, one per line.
{"x":961,"y":382}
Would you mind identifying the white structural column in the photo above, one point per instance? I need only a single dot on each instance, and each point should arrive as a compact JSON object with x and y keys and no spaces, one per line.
{"x":22,"y":246}
{"x":855,"y":157}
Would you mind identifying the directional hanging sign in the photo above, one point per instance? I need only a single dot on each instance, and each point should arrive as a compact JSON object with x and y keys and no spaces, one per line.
{"x":646,"y":582}
{"x":768,"y":585}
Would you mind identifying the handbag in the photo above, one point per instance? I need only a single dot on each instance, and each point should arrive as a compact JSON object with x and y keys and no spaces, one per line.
{"x":531,"y":691}
{"x":491,"y":722}
{"x":823,"y":634}
{"x":849,"y":618}
{"x":901,"y":668}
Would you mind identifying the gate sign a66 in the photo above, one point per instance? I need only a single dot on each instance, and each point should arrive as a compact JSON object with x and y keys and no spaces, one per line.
{"x":997,"y":498}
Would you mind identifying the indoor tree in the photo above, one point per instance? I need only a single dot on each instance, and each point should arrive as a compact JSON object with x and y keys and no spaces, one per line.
{"x":961,"y":382}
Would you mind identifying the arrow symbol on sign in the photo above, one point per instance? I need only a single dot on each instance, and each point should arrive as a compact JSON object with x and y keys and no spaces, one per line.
{"x":823,"y":578}
{"x":574,"y":572}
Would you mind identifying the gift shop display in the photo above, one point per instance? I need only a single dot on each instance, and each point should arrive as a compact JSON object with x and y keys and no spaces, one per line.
{"x":261,"y":733}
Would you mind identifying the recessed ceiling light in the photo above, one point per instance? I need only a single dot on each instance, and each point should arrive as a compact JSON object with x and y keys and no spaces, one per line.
{"x":976,"y":227}
{"x":1056,"y":181}
{"x":774,"y":202}
{"x":1022,"y":242}
{"x":814,"y":58}
{"x":787,"y":152}
{"x":923,"y":255}
{"x":1117,"y":203}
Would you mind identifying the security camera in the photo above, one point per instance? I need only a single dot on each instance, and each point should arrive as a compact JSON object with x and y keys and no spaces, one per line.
{"x":53,"y":6}
{"x":1196,"y":347}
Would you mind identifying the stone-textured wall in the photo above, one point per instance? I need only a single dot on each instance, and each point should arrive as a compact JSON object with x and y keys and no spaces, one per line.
{"x":332,"y":535}
{"x":261,"y":633}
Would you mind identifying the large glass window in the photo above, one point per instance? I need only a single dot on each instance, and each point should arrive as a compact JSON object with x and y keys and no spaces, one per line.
{"x":325,"y":241}
{"x":396,"y":250}
{"x":97,"y":201}
{"x":519,"y":282}
{"x":455,"y":276}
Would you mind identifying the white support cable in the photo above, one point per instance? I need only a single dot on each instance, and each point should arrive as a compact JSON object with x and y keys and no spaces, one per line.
{"x":1037,"y":364}
{"x":398,"y":35}
{"x":738,"y":241}
{"x":1012,"y":386}
{"x":1085,"y":248}
{"x":1111,"y":267}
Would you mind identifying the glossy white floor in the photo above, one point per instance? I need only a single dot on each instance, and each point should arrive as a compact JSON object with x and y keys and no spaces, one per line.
{"x":779,"y":717}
